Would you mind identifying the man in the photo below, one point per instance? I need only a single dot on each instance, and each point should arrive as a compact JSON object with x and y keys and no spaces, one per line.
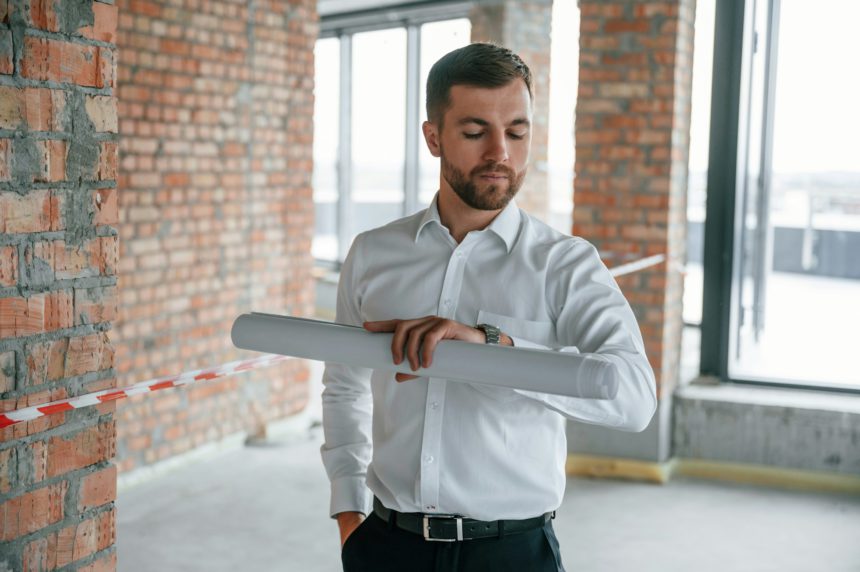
{"x":403,"y":451}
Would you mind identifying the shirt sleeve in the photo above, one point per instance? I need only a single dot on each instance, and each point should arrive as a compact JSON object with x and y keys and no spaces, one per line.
{"x":347,"y":409}
{"x":594,"y":318}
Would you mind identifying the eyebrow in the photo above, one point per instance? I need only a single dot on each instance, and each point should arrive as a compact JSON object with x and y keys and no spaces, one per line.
{"x":484,"y":122}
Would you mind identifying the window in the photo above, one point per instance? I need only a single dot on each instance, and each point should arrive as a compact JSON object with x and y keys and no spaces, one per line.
{"x":371,"y":164}
{"x":784,"y":306}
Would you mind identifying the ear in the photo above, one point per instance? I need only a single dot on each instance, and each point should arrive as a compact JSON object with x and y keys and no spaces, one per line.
{"x":431,"y":136}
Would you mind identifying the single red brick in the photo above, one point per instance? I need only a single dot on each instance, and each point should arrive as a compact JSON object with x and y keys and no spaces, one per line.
{"x":43,"y":16}
{"x":107,"y":161}
{"x":105,"y":205}
{"x":105,"y":23}
{"x":95,"y":305}
{"x":5,"y":159}
{"x":106,"y":68}
{"x":8,"y":469}
{"x":8,"y":267}
{"x":32,"y":510}
{"x":75,"y":260}
{"x":97,"y":488}
{"x":12,"y":107}
{"x":41,"y":554}
{"x":59,"y":312}
{"x":87,"y":447}
{"x":88,"y":354}
{"x":27,"y":213}
{"x":22,"y":316}
{"x":106,"y":526}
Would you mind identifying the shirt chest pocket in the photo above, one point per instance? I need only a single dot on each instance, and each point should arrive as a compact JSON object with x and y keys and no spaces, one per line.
{"x":538,"y":332}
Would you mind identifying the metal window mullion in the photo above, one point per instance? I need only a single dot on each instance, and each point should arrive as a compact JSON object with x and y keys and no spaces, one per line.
{"x":413,"y":91}
{"x":344,"y":150}
{"x":763,"y":236}
{"x":721,"y":190}
{"x":351,"y":22}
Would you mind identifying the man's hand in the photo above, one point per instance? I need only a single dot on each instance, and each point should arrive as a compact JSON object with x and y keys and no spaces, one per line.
{"x":420,"y":336}
{"x":347,"y":522}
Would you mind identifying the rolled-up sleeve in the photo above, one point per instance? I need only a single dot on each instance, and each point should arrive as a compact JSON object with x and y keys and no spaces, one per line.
{"x":594,"y":318}
{"x":347,"y":410}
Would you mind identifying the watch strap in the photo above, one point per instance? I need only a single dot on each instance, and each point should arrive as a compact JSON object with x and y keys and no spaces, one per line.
{"x":493,"y":333}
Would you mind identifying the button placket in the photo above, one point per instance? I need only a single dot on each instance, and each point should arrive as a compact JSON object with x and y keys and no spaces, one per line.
{"x":433,"y":410}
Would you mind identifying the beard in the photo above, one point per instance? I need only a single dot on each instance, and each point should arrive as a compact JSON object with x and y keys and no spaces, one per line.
{"x":494,"y":196}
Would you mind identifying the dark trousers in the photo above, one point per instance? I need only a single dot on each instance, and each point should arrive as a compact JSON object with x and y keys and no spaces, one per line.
{"x":376,"y":546}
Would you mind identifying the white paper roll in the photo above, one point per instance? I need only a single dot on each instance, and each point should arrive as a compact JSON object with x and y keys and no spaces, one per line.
{"x":520,"y":368}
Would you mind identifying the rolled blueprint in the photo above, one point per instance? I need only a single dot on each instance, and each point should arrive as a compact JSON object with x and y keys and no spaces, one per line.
{"x":530,"y":369}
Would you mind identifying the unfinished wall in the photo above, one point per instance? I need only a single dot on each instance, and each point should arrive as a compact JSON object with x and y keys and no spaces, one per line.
{"x":632,"y":148}
{"x":216,"y":214}
{"x":524,"y":27}
{"x":58,"y":253}
{"x":630,"y":186}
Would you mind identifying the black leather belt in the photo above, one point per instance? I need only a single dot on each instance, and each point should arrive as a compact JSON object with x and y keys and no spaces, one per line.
{"x":451,"y":528}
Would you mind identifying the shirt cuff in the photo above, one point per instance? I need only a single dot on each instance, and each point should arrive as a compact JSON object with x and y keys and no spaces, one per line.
{"x":521,"y":343}
{"x":350,"y":494}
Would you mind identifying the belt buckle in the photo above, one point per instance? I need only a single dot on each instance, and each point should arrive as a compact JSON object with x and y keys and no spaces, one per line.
{"x":428,"y":517}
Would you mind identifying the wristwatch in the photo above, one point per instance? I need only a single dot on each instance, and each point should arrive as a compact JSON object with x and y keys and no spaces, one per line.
{"x":493,"y":333}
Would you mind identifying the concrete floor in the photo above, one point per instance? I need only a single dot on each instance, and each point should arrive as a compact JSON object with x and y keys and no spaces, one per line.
{"x":264,"y":508}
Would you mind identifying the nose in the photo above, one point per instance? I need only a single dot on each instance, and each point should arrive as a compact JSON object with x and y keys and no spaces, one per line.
{"x":497,"y":149}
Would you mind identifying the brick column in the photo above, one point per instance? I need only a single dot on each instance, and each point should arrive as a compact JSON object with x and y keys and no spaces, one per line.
{"x":216,"y":217}
{"x":524,"y":27}
{"x":58,"y":254}
{"x":632,"y":147}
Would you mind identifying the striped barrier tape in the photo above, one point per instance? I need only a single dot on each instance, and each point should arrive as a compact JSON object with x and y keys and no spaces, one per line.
{"x":34,"y":412}
{"x":105,"y":395}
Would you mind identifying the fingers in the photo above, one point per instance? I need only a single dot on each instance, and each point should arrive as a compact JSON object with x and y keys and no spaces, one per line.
{"x":415,"y":340}
{"x":401,"y":333}
{"x":432,"y":338}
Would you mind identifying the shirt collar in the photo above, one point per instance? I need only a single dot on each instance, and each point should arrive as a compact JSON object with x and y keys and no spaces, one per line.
{"x":506,"y":225}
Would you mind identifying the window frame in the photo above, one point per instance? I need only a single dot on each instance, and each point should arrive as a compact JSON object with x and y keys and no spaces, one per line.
{"x":344,"y":26}
{"x":733,"y":36}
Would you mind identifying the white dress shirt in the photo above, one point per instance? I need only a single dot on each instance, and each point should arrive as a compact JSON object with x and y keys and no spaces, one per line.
{"x":433,"y":446}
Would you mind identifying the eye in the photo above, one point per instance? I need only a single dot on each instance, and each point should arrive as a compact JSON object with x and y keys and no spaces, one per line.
{"x":473,"y":135}
{"x":516,"y":136}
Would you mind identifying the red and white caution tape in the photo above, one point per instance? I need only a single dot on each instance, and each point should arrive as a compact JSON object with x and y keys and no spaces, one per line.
{"x":86,"y":400}
{"x":36,"y":411}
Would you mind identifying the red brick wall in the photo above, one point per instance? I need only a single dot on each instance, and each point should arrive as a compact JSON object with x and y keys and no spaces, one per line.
{"x":58,"y":253}
{"x":524,"y":26}
{"x":216,"y":210}
{"x":632,"y":146}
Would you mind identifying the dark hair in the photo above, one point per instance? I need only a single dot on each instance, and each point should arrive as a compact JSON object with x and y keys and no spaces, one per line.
{"x":479,"y":65}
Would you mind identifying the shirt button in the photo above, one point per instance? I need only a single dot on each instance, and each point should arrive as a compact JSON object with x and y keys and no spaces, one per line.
{"x":434,"y":405}
{"x":428,"y":459}
{"x":447,"y":302}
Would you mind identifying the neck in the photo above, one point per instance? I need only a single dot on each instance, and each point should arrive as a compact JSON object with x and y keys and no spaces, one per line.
{"x":459,"y":218}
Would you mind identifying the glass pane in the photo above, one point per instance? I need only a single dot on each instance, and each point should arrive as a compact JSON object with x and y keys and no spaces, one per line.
{"x":799,"y":320}
{"x":437,"y":39}
{"x":326,"y":121}
{"x":378,"y":127}
{"x":703,"y":62}
{"x":562,"y":103}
